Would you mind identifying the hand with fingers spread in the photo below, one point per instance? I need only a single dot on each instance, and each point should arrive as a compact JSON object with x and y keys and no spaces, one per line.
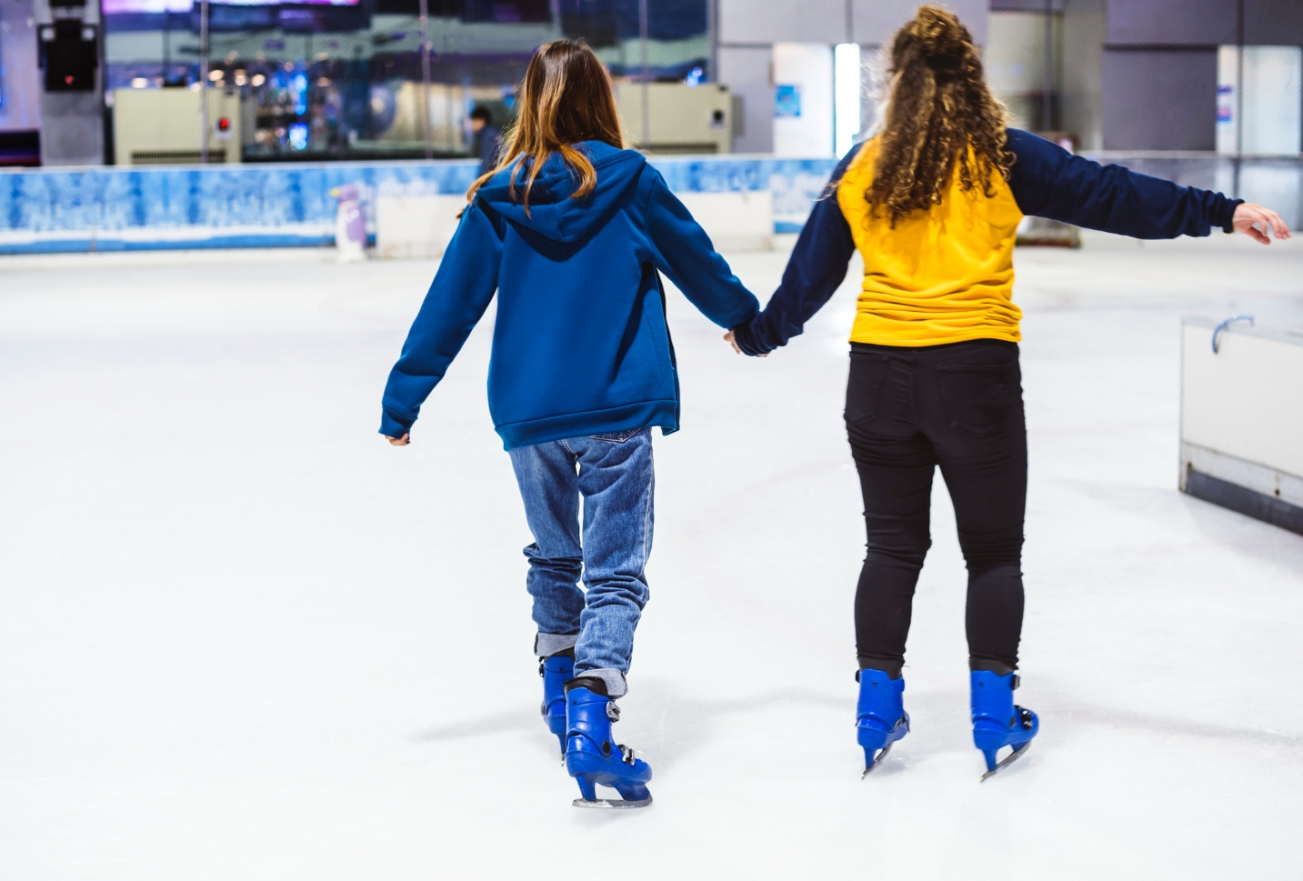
{"x":1259,"y":223}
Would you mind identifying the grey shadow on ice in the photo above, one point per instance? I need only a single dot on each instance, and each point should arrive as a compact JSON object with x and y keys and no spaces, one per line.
{"x":521,"y":719}
{"x":668,"y":727}
{"x":657,"y":721}
{"x":1166,"y":506}
{"x":1076,"y":715}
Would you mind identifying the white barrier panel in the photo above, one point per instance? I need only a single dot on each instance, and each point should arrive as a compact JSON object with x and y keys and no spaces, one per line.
{"x":735,"y":221}
{"x":1242,"y":419}
{"x":421,"y":226}
{"x":415,"y":226}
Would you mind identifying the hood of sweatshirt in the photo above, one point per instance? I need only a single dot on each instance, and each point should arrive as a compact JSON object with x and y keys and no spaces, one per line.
{"x":552,"y":211}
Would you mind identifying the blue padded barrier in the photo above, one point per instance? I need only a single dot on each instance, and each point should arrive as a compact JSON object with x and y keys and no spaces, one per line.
{"x":290,"y":205}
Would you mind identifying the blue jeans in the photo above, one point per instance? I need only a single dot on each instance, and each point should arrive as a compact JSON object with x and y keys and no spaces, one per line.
{"x":614,"y":475}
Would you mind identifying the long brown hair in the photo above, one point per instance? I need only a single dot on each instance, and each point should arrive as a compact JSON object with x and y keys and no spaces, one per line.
{"x":566,"y":97}
{"x":939,"y":107}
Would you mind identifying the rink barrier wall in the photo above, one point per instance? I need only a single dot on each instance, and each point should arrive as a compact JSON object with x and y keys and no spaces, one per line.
{"x":290,"y":205}
{"x":743,"y":201}
{"x":1240,"y":427}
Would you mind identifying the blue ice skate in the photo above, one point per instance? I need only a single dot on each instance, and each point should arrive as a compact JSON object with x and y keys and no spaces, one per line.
{"x":880,"y":717}
{"x":591,"y":757}
{"x":997,"y":722}
{"x":555,"y":671}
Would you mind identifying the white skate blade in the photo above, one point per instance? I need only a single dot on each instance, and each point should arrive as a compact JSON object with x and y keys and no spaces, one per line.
{"x":612,"y":803}
{"x":877,"y":760}
{"x":1006,"y":761}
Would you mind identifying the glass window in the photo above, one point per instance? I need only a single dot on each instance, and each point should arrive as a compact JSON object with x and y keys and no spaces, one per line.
{"x":347,"y":79}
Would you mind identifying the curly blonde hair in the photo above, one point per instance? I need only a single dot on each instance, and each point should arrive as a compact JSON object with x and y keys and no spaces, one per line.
{"x":938,"y":108}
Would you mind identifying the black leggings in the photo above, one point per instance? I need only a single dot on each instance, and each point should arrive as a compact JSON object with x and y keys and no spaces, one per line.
{"x":909,"y":410}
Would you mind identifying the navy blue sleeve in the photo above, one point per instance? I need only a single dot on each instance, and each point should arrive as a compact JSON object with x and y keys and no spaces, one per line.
{"x":1048,"y":181}
{"x":683,"y":251}
{"x":815,"y":270}
{"x":458,"y":296}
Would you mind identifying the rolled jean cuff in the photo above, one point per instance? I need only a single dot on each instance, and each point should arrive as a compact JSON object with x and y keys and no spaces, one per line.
{"x":548,"y":644}
{"x":613,"y":680}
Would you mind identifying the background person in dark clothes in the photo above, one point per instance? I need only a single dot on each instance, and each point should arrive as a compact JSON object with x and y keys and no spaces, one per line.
{"x":487,"y":138}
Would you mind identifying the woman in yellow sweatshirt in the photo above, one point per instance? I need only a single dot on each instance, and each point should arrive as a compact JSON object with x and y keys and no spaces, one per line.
{"x":933,"y":204}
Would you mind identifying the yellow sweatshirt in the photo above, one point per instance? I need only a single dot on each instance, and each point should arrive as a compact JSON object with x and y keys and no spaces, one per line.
{"x":941,"y":276}
{"x":946,"y":275}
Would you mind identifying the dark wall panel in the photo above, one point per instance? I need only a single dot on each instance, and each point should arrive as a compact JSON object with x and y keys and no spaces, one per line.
{"x":1160,"y":99}
{"x":1172,"y":22}
{"x":1273,"y":22}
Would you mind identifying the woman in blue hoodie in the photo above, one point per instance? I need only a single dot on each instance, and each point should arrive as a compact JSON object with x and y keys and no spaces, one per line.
{"x":572,"y":232}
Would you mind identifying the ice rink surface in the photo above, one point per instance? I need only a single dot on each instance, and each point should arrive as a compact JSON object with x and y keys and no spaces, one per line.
{"x":241,"y":637}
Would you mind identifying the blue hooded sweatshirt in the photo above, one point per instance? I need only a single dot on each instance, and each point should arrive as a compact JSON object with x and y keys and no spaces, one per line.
{"x":581,"y":345}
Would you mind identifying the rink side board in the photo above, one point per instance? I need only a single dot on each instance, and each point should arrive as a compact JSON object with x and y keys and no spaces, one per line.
{"x":1242,"y":420}
{"x":741,"y":201}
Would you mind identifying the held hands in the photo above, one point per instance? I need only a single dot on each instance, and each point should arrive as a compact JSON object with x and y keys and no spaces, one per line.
{"x":400,"y":441}
{"x":732,"y":341}
{"x":1259,"y":223}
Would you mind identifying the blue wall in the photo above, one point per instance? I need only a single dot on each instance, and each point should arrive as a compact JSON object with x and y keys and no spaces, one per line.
{"x":113,"y":209}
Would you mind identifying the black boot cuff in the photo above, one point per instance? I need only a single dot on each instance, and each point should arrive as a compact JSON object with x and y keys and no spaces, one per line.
{"x":592,"y":683}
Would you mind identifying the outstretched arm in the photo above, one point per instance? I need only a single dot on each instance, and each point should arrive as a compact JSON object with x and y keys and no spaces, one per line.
{"x":1048,"y":181}
{"x":461,"y":291}
{"x":685,"y":254}
{"x":815,"y":270}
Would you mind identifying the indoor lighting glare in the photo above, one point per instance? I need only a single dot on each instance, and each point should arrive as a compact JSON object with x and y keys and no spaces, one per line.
{"x":846,"y":100}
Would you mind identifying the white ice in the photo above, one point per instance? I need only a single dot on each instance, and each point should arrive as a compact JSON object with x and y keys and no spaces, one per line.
{"x":241,"y":637}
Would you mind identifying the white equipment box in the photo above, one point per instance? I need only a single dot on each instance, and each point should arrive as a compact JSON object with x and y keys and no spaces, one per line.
{"x":1242,"y":419}
{"x":680,"y":118}
{"x":161,"y":126}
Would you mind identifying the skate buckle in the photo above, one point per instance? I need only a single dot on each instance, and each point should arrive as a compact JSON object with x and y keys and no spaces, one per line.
{"x":626,"y":754}
{"x":613,"y":711}
{"x":1024,"y":717}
